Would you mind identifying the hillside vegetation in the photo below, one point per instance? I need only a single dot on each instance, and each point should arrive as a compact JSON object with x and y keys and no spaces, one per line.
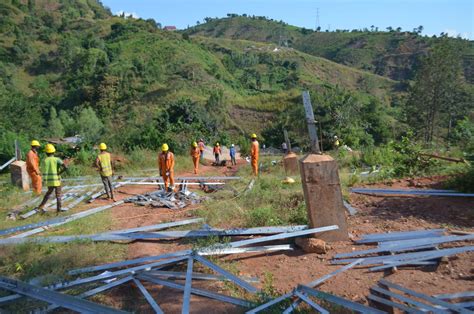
{"x":393,"y":53}
{"x":70,"y":67}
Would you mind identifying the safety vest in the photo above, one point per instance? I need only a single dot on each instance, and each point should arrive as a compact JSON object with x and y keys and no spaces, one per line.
{"x":50,"y":173}
{"x":105,"y":165}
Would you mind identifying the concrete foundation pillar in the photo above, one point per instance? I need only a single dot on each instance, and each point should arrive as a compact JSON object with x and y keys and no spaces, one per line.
{"x":323,"y":196}
{"x":290,"y":163}
{"x":19,"y":175}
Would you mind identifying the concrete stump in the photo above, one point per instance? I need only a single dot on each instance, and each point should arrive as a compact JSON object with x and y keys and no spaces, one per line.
{"x":323,"y":196}
{"x":19,"y":175}
{"x":290,"y":163}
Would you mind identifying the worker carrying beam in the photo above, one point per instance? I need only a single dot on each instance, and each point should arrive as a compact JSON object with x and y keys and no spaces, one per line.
{"x":217,"y":153}
{"x":195,"y":153}
{"x":254,"y":152}
{"x":104,"y":165}
{"x":166,"y":165}
{"x":33,"y":167}
{"x":52,"y":169}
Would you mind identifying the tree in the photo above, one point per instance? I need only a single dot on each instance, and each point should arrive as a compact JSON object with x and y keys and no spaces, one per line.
{"x":436,"y":91}
{"x":89,"y":125}
{"x":390,"y":29}
{"x":55,"y":127}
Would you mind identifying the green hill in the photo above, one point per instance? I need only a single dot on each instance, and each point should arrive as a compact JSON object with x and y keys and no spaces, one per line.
{"x":69,"y":67}
{"x":394,"y":53}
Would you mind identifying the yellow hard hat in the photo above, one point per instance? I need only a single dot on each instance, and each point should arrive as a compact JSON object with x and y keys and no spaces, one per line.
{"x":35,"y":143}
{"x":195,"y":144}
{"x":102,"y":146}
{"x":49,"y":148}
{"x":217,"y":144}
{"x":164,"y":147}
{"x":253,"y":135}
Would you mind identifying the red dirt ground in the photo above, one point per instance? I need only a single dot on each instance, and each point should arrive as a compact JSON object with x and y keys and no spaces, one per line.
{"x":376,"y":214}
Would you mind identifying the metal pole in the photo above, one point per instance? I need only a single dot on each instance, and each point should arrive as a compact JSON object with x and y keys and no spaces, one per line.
{"x":17,"y":150}
{"x":287,"y":140}
{"x":313,"y":134}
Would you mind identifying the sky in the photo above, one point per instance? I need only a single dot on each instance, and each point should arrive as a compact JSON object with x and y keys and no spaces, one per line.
{"x":449,"y":16}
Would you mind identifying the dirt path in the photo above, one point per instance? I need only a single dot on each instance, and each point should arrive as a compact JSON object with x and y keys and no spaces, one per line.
{"x":376,"y":214}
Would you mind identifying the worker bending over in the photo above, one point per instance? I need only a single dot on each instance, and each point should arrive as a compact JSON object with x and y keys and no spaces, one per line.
{"x":195,"y":153}
{"x":166,"y":165}
{"x":105,"y":168}
{"x":33,"y":167}
{"x":52,"y":169}
{"x":217,"y":153}
{"x":254,"y":150}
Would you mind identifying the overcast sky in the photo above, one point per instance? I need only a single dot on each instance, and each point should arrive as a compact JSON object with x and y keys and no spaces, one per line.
{"x":450,"y":16}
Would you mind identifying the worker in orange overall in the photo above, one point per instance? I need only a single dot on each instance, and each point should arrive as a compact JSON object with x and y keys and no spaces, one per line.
{"x":217,"y":153}
{"x":32,"y":167}
{"x":166,"y":165}
{"x":195,"y":153}
{"x":254,"y":150}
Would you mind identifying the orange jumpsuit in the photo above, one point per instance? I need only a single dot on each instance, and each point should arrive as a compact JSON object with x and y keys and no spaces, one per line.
{"x":195,"y":154}
{"x":254,"y":149}
{"x":166,"y":165}
{"x":32,"y":166}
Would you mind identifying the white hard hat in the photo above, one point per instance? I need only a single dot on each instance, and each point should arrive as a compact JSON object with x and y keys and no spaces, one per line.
{"x":232,"y":145}
{"x":335,"y":136}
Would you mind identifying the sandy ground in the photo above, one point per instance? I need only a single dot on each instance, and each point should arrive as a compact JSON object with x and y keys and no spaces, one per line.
{"x":376,"y":214}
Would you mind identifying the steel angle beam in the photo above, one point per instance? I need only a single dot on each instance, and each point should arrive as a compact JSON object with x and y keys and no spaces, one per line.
{"x":57,"y":221}
{"x":187,"y":286}
{"x":393,"y":236}
{"x":408,"y":256}
{"x":129,"y":262}
{"x":283,"y":236}
{"x":426,"y":241}
{"x":330,"y":275}
{"x":97,"y":290}
{"x":62,"y":300}
{"x":107,"y":275}
{"x":226,"y":274}
{"x":314,"y":305}
{"x":196,"y":291}
{"x":269,"y":303}
{"x":197,"y":276}
{"x":382,"y":250}
{"x":160,"y":226}
{"x":466,"y":305}
{"x":148,"y":297}
{"x":213,"y":232}
{"x":416,"y":303}
{"x":417,"y":257}
{"x":424,"y":296}
{"x":395,"y":304}
{"x":319,"y":281}
{"x":458,"y":295}
{"x":410,"y":192}
{"x":7,"y":163}
{"x":256,"y":249}
{"x":338,"y":300}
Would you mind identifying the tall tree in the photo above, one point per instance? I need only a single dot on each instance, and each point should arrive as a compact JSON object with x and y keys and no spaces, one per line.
{"x":436,"y":91}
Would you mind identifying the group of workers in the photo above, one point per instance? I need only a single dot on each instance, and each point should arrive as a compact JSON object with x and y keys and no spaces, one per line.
{"x":53,"y":167}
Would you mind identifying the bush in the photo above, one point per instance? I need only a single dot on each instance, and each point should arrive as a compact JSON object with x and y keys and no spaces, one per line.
{"x":262,"y":216}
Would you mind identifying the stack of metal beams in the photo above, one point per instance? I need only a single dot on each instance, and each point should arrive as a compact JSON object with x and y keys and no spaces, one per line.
{"x":406,"y":248}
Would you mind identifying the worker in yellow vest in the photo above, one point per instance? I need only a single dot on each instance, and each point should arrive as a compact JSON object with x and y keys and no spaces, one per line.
{"x":105,"y":168}
{"x":52,"y":169}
